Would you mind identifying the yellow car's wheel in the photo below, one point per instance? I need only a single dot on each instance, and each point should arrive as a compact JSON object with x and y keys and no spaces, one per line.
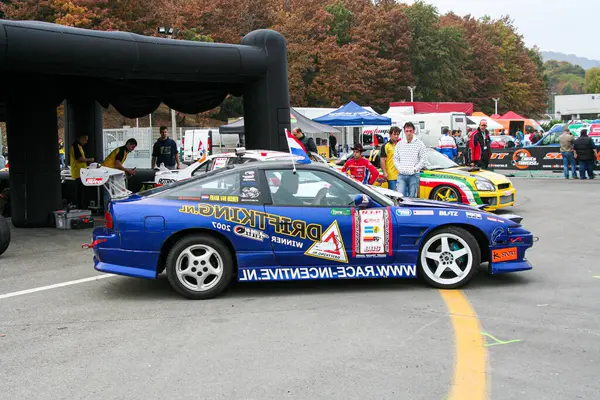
{"x":447,"y":194}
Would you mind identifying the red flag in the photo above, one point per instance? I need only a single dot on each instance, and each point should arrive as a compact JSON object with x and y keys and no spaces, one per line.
{"x":375,"y":141}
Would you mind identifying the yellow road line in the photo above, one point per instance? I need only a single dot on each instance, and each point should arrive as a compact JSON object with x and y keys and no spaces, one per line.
{"x":470,"y":354}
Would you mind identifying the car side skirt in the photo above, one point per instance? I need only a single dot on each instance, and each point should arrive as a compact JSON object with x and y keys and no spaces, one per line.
{"x":320,"y":272}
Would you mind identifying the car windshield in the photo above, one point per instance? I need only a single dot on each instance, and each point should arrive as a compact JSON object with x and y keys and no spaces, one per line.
{"x":436,"y":160}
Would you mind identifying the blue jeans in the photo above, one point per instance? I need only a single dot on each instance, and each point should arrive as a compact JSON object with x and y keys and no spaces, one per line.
{"x":569,"y":158}
{"x":586,"y":166}
{"x":392,"y":185}
{"x":408,"y":185}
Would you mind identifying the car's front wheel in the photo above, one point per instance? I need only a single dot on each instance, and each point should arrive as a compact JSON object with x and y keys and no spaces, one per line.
{"x":199,"y":266}
{"x":449,"y":258}
{"x":4,"y":235}
{"x":447,"y":194}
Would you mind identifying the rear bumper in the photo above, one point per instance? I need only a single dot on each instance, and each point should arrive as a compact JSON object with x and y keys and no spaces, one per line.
{"x":109,"y":257}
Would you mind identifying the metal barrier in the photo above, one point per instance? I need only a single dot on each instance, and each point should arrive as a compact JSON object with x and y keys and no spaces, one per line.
{"x":141,"y":156}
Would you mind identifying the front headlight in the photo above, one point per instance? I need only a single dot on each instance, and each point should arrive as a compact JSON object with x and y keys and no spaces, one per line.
{"x":486,"y":186}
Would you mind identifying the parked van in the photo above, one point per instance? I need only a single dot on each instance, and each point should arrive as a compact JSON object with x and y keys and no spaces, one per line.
{"x":196,"y":144}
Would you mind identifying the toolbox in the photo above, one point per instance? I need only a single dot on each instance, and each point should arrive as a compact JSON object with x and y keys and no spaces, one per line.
{"x":74,"y":219}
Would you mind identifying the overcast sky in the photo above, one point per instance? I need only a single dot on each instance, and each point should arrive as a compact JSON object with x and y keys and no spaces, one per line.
{"x":566,"y":26}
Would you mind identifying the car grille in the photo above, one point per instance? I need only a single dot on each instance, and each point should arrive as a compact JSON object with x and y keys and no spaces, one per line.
{"x":504,"y":186}
{"x":507,"y":199}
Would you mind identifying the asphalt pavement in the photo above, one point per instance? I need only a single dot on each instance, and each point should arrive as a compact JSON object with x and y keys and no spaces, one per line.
{"x":127,"y":338}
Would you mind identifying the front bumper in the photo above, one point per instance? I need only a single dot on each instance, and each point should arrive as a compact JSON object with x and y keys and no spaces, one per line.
{"x":498,"y":199}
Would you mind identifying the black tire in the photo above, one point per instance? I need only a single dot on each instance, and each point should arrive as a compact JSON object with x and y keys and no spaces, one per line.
{"x":4,"y":235}
{"x":201,"y":270}
{"x":456,"y":237}
{"x":439,"y":189}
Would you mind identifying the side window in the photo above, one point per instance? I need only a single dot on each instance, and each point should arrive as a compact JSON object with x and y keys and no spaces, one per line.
{"x":221,"y":187}
{"x":309,"y":188}
{"x":203,"y":168}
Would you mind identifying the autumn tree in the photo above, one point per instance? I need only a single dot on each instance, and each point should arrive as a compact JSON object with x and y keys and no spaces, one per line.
{"x":592,"y":80}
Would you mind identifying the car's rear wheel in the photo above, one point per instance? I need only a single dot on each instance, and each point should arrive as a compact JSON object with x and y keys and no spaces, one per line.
{"x":449,"y":258}
{"x":447,"y":194}
{"x":199,"y":266}
{"x":4,"y":235}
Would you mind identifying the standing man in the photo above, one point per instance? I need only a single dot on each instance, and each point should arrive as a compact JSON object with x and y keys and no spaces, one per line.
{"x":78,"y":160}
{"x":479,"y":146}
{"x":115,"y":160}
{"x":309,"y":143}
{"x":586,"y":151}
{"x":447,"y":145}
{"x":333,"y":145}
{"x":165,"y":151}
{"x":357,"y":167}
{"x":566,"y":141}
{"x":409,"y":159}
{"x":386,"y":159}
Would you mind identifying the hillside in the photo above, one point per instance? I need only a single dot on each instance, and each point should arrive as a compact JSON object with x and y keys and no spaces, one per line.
{"x":585,"y":63}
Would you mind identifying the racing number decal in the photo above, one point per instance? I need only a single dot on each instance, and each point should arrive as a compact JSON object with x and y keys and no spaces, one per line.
{"x":502,"y":255}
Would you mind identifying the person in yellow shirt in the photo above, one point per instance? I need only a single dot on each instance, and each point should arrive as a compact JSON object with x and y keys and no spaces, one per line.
{"x":77,"y":161}
{"x":386,"y":158}
{"x":116,"y":159}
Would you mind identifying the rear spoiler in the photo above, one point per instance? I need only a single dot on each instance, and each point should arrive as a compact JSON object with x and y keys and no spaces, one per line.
{"x":112,"y":179}
{"x":512,"y":217}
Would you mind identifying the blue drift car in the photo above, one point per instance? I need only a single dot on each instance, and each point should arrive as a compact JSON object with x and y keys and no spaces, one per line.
{"x":273,"y":221}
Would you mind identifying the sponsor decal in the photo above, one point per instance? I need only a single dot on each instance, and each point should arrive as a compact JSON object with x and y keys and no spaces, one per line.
{"x":372,"y":233}
{"x":472,"y":215}
{"x":507,"y":193}
{"x":522,"y":159}
{"x":287,"y":242}
{"x":494,"y":219}
{"x":93,"y":181}
{"x":371,"y":229}
{"x":186,"y":198}
{"x":256,"y":219}
{"x":403,"y":212}
{"x":553,"y":156}
{"x":341,"y":212}
{"x":219,"y":163}
{"x":164,"y":181}
{"x":445,"y":213}
{"x":250,"y":233}
{"x":249,"y":176}
{"x":517,"y":239}
{"x":250,"y":193}
{"x":331,"y":245}
{"x":205,"y":197}
{"x":326,"y":272}
{"x":499,"y":156}
{"x":502,"y":255}
{"x":496,"y":235}
{"x":423,"y":212}
{"x":222,"y":227}
{"x":222,"y":198}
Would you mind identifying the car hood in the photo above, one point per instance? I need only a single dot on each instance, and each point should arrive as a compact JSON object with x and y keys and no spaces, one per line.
{"x":412,"y":202}
{"x":470,"y":172}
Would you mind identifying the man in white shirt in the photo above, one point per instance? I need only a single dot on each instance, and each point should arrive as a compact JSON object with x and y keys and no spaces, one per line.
{"x":409,"y":158}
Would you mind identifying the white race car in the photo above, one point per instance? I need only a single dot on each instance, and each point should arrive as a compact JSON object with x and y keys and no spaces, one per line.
{"x":165,"y":176}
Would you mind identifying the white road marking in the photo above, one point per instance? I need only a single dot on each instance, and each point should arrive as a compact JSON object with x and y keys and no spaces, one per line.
{"x":42,"y":288}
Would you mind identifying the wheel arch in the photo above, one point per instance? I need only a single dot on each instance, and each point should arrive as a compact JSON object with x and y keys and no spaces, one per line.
{"x":170,"y":242}
{"x":463,"y":196}
{"x":477,"y":233}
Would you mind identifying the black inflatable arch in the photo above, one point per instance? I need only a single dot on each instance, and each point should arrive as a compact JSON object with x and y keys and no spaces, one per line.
{"x":43,"y":64}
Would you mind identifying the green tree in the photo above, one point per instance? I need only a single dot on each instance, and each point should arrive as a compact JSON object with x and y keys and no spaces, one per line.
{"x":341,"y":23}
{"x":592,"y":80}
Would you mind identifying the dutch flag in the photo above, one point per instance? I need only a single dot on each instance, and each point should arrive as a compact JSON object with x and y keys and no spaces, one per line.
{"x":297,"y":149}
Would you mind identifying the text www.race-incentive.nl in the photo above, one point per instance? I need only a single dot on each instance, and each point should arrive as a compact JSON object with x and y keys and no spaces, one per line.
{"x":325,"y":272}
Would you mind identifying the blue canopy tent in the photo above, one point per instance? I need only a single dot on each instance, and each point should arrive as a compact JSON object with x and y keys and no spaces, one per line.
{"x":353,"y":115}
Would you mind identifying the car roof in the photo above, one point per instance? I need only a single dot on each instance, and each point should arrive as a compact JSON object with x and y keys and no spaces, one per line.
{"x":261,"y":155}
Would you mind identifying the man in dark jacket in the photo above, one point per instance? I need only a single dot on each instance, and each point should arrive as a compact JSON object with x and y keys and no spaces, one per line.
{"x":479,"y":146}
{"x":308,"y":143}
{"x":586,"y":152}
{"x":164,"y":151}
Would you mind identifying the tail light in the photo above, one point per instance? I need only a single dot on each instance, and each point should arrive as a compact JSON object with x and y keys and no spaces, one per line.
{"x":108,"y":220}
{"x":183,"y":141}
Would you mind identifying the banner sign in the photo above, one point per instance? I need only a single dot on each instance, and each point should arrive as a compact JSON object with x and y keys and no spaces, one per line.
{"x":541,"y":158}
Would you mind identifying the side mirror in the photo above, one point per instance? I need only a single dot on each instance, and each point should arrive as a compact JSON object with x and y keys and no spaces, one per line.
{"x":362,"y":201}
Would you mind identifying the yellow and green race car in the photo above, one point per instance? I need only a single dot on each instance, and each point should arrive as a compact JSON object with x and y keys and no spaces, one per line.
{"x":444,"y":180}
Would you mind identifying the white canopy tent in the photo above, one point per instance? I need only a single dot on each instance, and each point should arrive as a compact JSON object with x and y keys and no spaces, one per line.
{"x":473,"y":122}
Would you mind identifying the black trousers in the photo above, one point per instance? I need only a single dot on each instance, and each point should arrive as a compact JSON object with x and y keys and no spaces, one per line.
{"x":482,"y":164}
{"x":80,"y":195}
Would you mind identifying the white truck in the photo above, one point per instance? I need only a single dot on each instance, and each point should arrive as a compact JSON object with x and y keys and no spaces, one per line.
{"x":429,"y":126}
{"x":199,"y":143}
